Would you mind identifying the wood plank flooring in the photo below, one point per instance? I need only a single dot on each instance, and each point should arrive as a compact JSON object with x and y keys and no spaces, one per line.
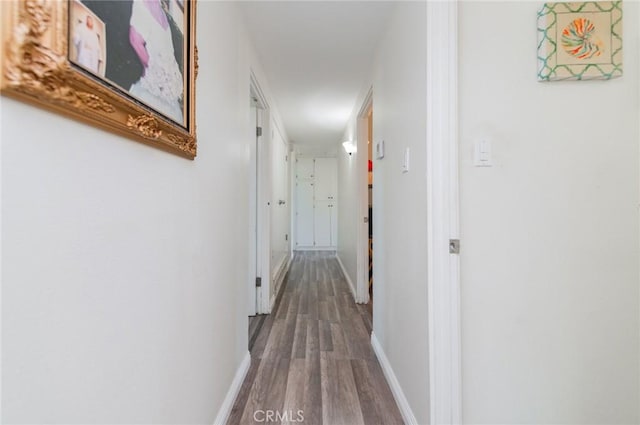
{"x":312,"y":359}
{"x":255,"y":324}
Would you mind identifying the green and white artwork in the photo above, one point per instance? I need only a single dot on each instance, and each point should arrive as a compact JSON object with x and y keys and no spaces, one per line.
{"x":580,"y":41}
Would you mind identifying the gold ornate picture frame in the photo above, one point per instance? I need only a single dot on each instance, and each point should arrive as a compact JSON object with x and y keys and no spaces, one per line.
{"x":128,"y":66}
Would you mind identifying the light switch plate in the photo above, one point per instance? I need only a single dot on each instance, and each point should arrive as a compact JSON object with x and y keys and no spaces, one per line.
{"x":380,"y":149}
{"x":482,"y":155}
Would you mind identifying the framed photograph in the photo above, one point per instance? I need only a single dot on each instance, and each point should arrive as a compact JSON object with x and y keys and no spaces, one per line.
{"x":580,"y":41}
{"x":128,"y":66}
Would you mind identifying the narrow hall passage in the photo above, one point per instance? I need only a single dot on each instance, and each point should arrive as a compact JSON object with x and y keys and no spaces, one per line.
{"x":312,"y":361}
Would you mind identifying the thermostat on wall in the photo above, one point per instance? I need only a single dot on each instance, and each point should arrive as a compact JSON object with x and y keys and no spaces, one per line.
{"x":380,"y":149}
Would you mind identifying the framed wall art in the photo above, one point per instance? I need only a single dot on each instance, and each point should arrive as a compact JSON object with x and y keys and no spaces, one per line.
{"x":128,"y":66}
{"x":580,"y":41}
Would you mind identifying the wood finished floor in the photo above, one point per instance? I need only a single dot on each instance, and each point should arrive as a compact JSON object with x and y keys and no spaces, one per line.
{"x":314,"y":354}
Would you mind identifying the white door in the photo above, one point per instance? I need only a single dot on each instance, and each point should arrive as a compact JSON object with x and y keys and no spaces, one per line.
{"x":304,"y":169}
{"x":304,"y":213}
{"x":264,"y":183}
{"x":326,"y":176}
{"x":334,"y":224}
{"x":322,"y":224}
{"x":280,"y":219}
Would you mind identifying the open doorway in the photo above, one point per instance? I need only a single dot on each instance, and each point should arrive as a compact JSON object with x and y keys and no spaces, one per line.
{"x":370,"y":197}
{"x":366,"y":245}
{"x":255,"y":320}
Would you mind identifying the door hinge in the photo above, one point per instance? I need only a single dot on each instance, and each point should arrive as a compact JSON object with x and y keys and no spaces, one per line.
{"x":454,"y":246}
{"x":258,"y":131}
{"x":258,"y":282}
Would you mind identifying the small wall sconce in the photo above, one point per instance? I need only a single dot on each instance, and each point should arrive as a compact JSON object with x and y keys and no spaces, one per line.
{"x":350,"y":147}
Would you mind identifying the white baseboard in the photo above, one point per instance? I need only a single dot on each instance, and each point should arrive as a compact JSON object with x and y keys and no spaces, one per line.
{"x":315,"y":248}
{"x":398,"y":394}
{"x":234,"y":389}
{"x":279,"y":280}
{"x":346,"y":275}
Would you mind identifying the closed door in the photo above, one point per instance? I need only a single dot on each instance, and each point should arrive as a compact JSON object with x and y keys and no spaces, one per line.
{"x":326,"y":176}
{"x":322,"y":223}
{"x":304,"y":213}
{"x":304,"y":169}
{"x":280,"y":220}
{"x":334,"y":224}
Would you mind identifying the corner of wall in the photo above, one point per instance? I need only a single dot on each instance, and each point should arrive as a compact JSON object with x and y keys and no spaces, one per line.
{"x":346,"y":275}
{"x":394,"y":384}
{"x":279,"y":280}
{"x":234,"y":389}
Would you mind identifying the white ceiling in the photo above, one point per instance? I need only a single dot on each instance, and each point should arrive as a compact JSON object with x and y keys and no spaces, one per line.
{"x":316,"y":56}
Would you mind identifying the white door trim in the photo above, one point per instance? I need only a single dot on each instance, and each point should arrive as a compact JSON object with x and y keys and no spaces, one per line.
{"x":263,"y":305}
{"x":443,"y":278}
{"x":253,"y":207}
{"x":362,"y":158}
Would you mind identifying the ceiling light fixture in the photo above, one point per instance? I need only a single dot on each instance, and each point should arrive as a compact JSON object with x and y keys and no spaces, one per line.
{"x":349,"y":147}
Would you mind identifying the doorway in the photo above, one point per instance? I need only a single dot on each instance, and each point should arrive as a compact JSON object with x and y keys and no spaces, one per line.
{"x":253,"y":205}
{"x":258,"y":284}
{"x":370,"y":197}
{"x":365,"y":165}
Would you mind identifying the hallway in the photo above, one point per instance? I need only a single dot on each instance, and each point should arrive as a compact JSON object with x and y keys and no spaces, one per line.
{"x":313,"y":358}
{"x":505,"y":214}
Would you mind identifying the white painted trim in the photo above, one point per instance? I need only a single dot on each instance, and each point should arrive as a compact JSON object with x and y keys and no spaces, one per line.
{"x":263,"y":189}
{"x":277,"y":273}
{"x":264,"y":213}
{"x":443,"y":278}
{"x":258,"y":90}
{"x":292,"y":199}
{"x":279,"y":280}
{"x":638,"y":40}
{"x":234,"y":389}
{"x":366,"y":104}
{"x":1,"y":257}
{"x":362,"y":178}
{"x":346,"y":276}
{"x":407,"y":414}
{"x":252,"y":292}
{"x":315,"y":248}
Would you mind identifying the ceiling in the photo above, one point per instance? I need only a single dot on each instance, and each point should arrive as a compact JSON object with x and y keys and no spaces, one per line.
{"x":316,"y":56}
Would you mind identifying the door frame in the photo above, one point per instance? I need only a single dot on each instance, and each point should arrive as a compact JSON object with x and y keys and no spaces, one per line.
{"x":443,"y":267}
{"x":253,"y":206}
{"x":362,"y":136}
{"x":262,"y":242}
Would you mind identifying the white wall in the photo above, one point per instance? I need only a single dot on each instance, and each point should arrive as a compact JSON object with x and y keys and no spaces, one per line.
{"x":348,"y":207}
{"x":124,"y":267}
{"x":399,"y":203}
{"x":550,"y":233}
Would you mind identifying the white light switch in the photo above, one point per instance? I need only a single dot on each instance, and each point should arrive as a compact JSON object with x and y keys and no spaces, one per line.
{"x":405,"y":161}
{"x":380,"y":149}
{"x":482,"y":153}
